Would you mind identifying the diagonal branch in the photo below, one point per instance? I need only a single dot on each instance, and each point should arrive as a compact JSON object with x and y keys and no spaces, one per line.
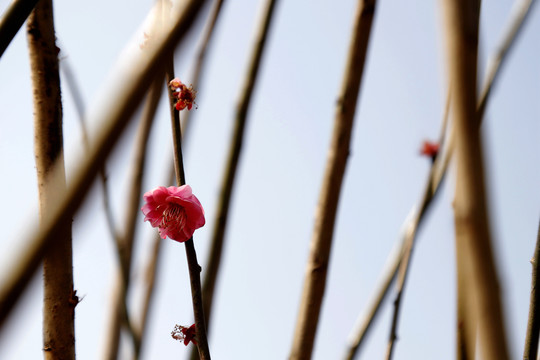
{"x":12,"y":20}
{"x":113,"y":116}
{"x":235,"y":149}
{"x":126,"y":241}
{"x":436,"y":175}
{"x":79,"y":106}
{"x":317,"y":266}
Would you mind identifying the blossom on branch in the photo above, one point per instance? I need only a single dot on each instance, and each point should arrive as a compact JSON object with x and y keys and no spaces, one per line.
{"x":185,"y":97}
{"x":175,"y":211}
{"x":430,"y":149}
{"x":185,"y":334}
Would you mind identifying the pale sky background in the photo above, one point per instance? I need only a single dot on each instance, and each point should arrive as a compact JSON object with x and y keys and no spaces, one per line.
{"x":280,"y":174}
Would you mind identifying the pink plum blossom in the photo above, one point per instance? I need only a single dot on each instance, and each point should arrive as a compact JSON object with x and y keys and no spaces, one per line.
{"x":175,"y":211}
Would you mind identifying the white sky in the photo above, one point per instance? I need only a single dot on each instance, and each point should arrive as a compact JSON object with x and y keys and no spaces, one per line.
{"x":280,"y":174}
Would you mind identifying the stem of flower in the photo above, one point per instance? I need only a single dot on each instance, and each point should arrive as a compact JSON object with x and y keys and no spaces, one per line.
{"x":193,"y":265}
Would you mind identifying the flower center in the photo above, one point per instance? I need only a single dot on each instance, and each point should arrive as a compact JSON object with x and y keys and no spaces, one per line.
{"x":174,"y":218}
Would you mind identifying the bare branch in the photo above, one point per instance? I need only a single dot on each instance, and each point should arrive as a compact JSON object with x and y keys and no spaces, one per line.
{"x":479,"y":305}
{"x":317,"y":266}
{"x":126,"y":241}
{"x":235,"y":149}
{"x":59,"y":298}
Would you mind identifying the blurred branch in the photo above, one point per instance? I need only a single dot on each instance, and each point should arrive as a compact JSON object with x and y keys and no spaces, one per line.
{"x":126,"y":241}
{"x":404,"y":246}
{"x":430,"y":192}
{"x":59,"y":298}
{"x":519,"y":15}
{"x":533,"y":324}
{"x":113,"y":116}
{"x":151,"y":275}
{"x":191,"y":255}
{"x":317,"y":266}
{"x":436,"y":175}
{"x":200,"y":60}
{"x":79,"y":106}
{"x":478,"y":292}
{"x":12,"y":20}
{"x":235,"y":149}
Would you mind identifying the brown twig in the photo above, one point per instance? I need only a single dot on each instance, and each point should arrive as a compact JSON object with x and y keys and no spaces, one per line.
{"x":437,"y":174}
{"x":12,"y":20}
{"x":59,"y":298}
{"x":200,"y":61}
{"x":478,"y":292}
{"x":126,"y":241}
{"x":521,"y":10}
{"x":533,"y":323}
{"x":113,"y":117}
{"x":193,"y":265}
{"x":242,"y":108}
{"x":316,"y":270}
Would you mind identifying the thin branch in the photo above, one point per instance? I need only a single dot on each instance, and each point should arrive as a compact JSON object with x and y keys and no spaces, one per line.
{"x":74,"y":89}
{"x":135,"y":77}
{"x":517,"y":20}
{"x":151,"y":276}
{"x":533,"y":324}
{"x":191,"y":255}
{"x":479,"y":290}
{"x":200,"y":61}
{"x":404,"y":246}
{"x":59,"y":298}
{"x":436,"y":175}
{"x":316,"y":270}
{"x":12,"y":20}
{"x":235,"y":149}
{"x":126,"y":241}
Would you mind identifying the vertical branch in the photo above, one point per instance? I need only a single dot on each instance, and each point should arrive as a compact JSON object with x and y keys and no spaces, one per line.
{"x":316,"y":269}
{"x":200,"y":60}
{"x":151,"y":276}
{"x":151,"y":269}
{"x":191,"y":255}
{"x":478,"y":289}
{"x":125,"y":242}
{"x":59,"y":299}
{"x":533,"y":324}
{"x":242,"y":108}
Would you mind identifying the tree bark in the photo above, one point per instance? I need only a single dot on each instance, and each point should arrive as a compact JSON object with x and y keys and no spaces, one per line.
{"x":479,"y":304}
{"x":317,"y":266}
{"x":59,"y":299}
